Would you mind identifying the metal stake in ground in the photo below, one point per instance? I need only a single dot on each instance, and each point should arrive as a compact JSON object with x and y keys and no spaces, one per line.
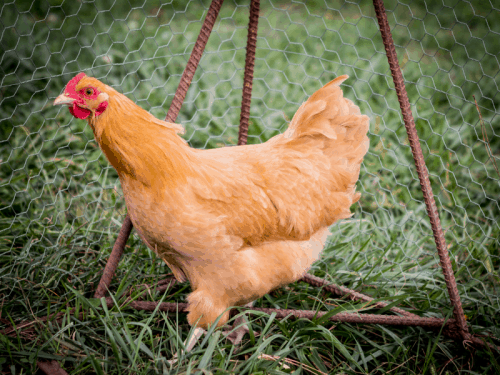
{"x":114,"y":258}
{"x":423,"y":175}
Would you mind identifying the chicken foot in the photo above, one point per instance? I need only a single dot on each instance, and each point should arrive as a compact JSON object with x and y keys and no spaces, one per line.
{"x":189,"y":343}
{"x":239,"y":329}
{"x":234,"y":334}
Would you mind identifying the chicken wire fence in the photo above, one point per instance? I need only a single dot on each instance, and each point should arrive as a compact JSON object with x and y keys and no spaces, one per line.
{"x":61,"y":203}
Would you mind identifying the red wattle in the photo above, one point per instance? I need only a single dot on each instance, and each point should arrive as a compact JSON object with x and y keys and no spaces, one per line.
{"x":79,"y":112}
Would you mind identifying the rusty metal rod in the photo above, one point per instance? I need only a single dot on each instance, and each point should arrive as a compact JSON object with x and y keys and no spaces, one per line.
{"x":309,"y":314}
{"x":253,"y":24}
{"x":194,"y":59}
{"x":114,"y":258}
{"x":343,"y":291}
{"x":449,"y":330}
{"x":423,"y":175}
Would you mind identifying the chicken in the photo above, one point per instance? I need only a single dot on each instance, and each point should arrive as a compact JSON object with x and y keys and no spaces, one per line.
{"x":237,"y":222}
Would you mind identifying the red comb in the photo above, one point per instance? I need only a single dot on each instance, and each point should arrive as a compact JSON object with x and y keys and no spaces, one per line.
{"x":70,"y":87}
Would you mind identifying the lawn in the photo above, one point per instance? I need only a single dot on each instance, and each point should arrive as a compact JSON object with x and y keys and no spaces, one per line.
{"x":61,"y":204}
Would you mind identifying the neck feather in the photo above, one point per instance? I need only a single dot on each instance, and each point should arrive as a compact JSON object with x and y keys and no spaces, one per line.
{"x":140,"y":146}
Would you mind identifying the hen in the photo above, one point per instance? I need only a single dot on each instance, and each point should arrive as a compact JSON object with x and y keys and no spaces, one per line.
{"x":237,"y":222}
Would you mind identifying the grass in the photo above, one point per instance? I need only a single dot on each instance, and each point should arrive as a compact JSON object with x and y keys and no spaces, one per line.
{"x":61,"y":203}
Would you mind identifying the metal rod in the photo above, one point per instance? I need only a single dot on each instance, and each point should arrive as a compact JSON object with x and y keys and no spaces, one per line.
{"x":423,"y":175}
{"x":343,"y":291}
{"x":114,"y":258}
{"x":308,"y":314}
{"x":253,"y":24}
{"x":193,"y":61}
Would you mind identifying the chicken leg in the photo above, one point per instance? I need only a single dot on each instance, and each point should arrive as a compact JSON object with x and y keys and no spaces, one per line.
{"x":189,"y":343}
{"x":234,"y":334}
{"x":239,"y":329}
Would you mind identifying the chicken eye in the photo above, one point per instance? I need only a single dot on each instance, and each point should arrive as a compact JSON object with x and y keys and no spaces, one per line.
{"x":89,"y":91}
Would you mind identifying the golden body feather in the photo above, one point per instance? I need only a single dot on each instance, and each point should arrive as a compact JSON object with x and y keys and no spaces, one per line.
{"x":236,"y":221}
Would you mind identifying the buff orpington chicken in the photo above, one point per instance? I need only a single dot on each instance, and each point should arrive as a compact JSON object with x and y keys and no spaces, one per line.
{"x":237,"y":222}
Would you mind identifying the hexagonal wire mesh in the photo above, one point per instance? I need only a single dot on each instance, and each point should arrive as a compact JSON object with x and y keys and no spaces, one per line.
{"x":61,"y":201}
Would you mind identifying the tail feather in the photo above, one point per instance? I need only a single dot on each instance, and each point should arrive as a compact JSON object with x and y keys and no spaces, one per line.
{"x":319,"y":158}
{"x":329,"y":114}
{"x":340,"y":128}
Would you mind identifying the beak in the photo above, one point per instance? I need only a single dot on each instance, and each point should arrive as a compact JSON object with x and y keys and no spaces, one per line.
{"x":63,"y":99}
